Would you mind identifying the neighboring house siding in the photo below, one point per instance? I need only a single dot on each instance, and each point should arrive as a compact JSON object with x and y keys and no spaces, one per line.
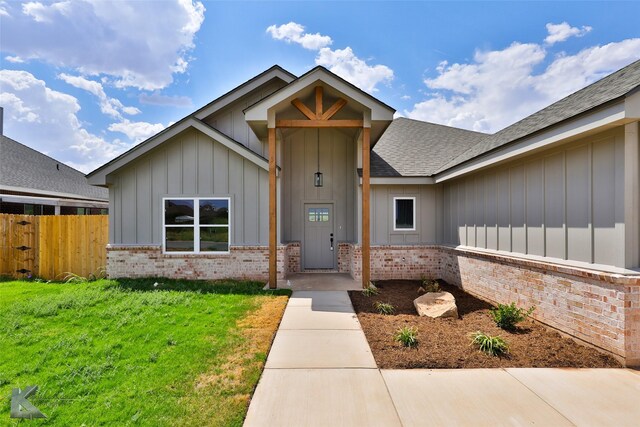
{"x":566,"y":204}
{"x":428,"y":218}
{"x":230,"y":119}
{"x":337,"y":164}
{"x":191,"y":164}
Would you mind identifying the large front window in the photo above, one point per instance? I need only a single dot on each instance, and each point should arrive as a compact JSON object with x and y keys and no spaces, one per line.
{"x":196,"y":225}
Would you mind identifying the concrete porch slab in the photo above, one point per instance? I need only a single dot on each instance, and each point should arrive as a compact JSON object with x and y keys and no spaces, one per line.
{"x":320,"y":282}
{"x":319,"y":299}
{"x":477,"y":397}
{"x":320,"y":349}
{"x":593,"y":397}
{"x":305,"y":317}
{"x":321,"y":397}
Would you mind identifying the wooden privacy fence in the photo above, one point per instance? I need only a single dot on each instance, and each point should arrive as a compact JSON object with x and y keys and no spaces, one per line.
{"x":52,"y":246}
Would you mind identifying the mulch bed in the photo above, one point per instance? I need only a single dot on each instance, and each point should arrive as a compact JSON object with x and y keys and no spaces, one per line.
{"x":445,"y":343}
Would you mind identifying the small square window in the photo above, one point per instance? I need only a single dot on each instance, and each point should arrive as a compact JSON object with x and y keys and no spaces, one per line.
{"x":404,"y":213}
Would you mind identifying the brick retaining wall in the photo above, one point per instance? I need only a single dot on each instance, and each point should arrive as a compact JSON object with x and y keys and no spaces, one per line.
{"x":602,"y":309}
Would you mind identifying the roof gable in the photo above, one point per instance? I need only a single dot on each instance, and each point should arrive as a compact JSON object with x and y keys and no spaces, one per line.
{"x":275,"y":72}
{"x":99,"y":176}
{"x":194,"y":120}
{"x":258,"y":112}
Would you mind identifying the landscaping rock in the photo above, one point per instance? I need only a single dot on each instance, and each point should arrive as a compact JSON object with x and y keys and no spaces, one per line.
{"x":436,"y":304}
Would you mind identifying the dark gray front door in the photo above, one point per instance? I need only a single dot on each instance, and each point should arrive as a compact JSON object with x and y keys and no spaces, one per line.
{"x":319,"y":244}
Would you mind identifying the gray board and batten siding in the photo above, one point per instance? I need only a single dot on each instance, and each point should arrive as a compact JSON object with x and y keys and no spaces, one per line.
{"x":190,"y":164}
{"x":566,"y":204}
{"x":338,"y":166}
{"x":428,"y":215}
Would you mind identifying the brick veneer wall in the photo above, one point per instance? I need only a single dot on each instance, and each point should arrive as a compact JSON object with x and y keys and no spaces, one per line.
{"x":344,"y":257}
{"x":242,"y":262}
{"x":293,"y":257}
{"x":397,"y":261}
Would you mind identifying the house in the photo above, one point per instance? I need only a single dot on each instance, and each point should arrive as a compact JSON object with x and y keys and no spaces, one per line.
{"x":286,"y":174}
{"x":32,"y":183}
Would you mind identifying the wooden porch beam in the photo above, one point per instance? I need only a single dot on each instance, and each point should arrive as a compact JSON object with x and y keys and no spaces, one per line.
{"x":304,"y":109}
{"x":333,"y":109}
{"x":319,"y":123}
{"x":273,"y":222}
{"x":318,"y":102}
{"x":366,"y":229}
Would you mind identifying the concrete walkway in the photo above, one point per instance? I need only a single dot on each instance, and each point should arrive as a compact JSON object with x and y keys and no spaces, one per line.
{"x":321,"y":372}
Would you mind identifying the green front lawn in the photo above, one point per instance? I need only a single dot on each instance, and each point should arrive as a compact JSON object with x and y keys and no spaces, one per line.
{"x":130,"y":353}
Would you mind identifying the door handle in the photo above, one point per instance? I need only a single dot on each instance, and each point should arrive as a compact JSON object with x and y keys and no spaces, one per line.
{"x":331,"y":240}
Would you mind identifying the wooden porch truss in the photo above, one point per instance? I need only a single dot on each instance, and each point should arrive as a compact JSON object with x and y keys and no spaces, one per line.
{"x":319,"y":119}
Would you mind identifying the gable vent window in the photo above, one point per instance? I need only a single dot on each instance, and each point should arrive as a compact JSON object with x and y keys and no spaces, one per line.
{"x":404,"y":213}
{"x":196,"y":225}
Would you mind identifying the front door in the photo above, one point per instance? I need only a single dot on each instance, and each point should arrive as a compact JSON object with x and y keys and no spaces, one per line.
{"x":318,"y":236}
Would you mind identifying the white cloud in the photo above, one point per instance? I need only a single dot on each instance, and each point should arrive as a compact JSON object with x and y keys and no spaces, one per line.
{"x":561,"y":32}
{"x":157,"y":98}
{"x":347,"y":65}
{"x":139,"y":44}
{"x":3,"y":9}
{"x":501,"y":87}
{"x":47,"y":121}
{"x":137,"y":131}
{"x":294,"y":33}
{"x":342,"y":62}
{"x":13,"y":59}
{"x":109,"y":106}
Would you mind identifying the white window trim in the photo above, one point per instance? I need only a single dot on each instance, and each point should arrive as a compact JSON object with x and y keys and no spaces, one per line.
{"x":414,"y":214}
{"x":196,"y":226}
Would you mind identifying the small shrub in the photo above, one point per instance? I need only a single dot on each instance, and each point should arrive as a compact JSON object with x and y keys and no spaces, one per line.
{"x":507,"y":316}
{"x":407,"y":336}
{"x":431,"y":286}
{"x":384,"y":308}
{"x":171,"y":341}
{"x":493,"y":346}
{"x":69,"y":277}
{"x":153,"y":357}
{"x":370,"y":290}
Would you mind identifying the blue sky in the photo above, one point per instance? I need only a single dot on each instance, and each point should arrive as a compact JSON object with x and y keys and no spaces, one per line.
{"x":85,"y":80}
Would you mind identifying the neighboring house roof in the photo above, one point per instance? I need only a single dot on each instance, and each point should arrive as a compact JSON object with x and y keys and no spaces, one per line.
{"x":414,"y":148}
{"x":23,"y":169}
{"x":608,"y":89}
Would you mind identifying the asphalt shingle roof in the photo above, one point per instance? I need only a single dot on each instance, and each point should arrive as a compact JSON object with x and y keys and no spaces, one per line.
{"x":414,"y":148}
{"x":21,"y":166}
{"x":605,"y":90}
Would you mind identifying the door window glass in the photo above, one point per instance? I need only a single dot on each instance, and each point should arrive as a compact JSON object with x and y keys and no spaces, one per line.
{"x":318,"y":214}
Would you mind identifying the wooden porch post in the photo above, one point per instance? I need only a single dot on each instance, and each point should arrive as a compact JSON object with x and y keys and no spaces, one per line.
{"x":273,"y":222}
{"x":366,"y":135}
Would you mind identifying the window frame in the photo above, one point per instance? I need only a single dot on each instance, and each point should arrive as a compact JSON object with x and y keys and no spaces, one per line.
{"x":196,"y":226}
{"x":395,"y":211}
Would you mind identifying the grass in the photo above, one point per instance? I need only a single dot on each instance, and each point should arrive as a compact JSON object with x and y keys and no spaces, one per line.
{"x":136,"y":352}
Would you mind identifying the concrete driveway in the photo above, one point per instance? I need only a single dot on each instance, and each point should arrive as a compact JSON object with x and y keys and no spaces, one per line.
{"x":321,"y":372}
